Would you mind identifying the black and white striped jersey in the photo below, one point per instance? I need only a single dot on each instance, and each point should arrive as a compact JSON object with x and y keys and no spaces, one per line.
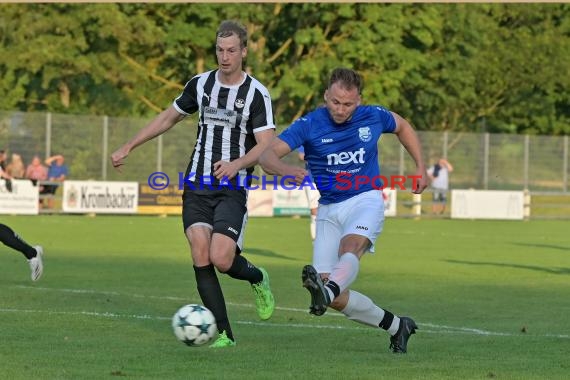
{"x":228,"y":118}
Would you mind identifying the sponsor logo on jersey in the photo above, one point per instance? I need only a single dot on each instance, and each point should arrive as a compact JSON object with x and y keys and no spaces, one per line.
{"x":326,"y":141}
{"x":344,"y":158}
{"x":219,"y":116}
{"x":362,"y":228}
{"x":365,"y":134}
{"x":240,"y":103}
{"x":232,"y":230}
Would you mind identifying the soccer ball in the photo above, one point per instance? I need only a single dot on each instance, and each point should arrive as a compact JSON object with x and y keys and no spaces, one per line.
{"x":194,"y":325}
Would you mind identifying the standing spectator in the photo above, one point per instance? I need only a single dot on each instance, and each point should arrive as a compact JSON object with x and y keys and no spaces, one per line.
{"x":439,"y":176}
{"x":57,"y":172}
{"x":16,"y":168}
{"x":235,"y":124}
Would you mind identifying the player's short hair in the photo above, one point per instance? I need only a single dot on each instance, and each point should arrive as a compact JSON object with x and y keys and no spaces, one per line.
{"x":347,"y":78}
{"x":228,"y":28}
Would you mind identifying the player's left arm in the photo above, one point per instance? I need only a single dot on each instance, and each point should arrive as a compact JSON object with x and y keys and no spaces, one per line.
{"x":409,"y":139}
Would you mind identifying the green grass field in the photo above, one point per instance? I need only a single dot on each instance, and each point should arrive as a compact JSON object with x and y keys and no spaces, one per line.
{"x":491,"y":298}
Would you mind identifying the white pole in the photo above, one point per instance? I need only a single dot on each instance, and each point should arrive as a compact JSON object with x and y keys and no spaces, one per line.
{"x":105,"y":147}
{"x":48,"y":135}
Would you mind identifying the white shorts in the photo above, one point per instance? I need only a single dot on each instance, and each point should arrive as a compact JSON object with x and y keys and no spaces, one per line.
{"x":313,"y":196}
{"x":360,"y":215}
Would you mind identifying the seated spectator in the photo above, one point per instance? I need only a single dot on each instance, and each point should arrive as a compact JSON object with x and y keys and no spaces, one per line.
{"x":16,"y":167}
{"x":3,"y":173}
{"x":57,"y":172}
{"x":37,"y":172}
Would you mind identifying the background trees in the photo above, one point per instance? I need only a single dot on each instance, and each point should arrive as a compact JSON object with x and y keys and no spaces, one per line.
{"x":456,"y":67}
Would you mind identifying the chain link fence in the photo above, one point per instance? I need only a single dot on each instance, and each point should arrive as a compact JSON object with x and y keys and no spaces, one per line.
{"x":481,"y":160}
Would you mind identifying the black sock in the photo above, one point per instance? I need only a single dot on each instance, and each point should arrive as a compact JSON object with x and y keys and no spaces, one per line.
{"x":211,"y":294}
{"x":12,"y":240}
{"x":386,"y":322}
{"x":333,"y":286}
{"x":242,"y":269}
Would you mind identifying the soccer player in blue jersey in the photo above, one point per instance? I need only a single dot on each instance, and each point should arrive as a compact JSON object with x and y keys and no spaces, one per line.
{"x":341,"y":149}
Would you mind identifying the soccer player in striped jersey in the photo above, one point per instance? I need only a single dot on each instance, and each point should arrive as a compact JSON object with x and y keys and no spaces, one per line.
{"x":235,"y":124}
{"x":341,"y":149}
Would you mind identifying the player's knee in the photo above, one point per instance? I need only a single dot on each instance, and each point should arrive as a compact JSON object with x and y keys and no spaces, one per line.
{"x":222,"y":263}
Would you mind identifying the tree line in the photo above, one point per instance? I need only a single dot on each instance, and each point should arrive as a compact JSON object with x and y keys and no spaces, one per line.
{"x":500,"y":68}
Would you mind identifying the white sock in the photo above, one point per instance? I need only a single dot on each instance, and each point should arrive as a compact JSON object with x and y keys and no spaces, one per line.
{"x":343,"y":274}
{"x":313,"y":227}
{"x":360,"y":308}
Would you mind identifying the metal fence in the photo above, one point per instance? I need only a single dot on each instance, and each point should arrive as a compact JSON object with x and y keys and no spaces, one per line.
{"x":481,"y":160}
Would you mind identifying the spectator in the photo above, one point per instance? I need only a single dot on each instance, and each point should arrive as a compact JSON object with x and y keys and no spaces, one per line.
{"x":3,"y":173}
{"x":57,"y":172}
{"x":439,"y":176}
{"x":36,"y":172}
{"x":16,"y":168}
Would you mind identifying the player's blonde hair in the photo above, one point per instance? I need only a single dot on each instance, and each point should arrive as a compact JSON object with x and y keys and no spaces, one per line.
{"x":228,"y":28}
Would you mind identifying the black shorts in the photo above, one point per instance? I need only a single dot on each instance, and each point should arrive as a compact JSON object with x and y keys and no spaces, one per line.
{"x":223,"y":210}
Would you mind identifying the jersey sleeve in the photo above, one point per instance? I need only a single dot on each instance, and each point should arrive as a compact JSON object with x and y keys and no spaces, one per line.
{"x":261,"y":111}
{"x":296,"y":134}
{"x":187,"y":102}
{"x":386,"y":120}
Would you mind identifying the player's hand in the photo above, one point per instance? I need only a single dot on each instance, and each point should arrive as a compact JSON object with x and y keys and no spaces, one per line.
{"x":225,"y":169}
{"x":299,"y":174}
{"x":420,"y":181}
{"x":118,"y":157}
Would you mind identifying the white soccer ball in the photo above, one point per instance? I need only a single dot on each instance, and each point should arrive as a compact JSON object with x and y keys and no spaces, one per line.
{"x":194,"y":325}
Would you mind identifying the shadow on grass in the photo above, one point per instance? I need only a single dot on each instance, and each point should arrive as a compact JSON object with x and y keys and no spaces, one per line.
{"x":266,"y":253}
{"x":549,"y":246}
{"x":518,"y":266}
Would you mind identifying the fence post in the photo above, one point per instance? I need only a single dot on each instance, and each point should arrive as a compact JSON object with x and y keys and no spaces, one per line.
{"x":105,"y":148}
{"x":48,"y":135}
{"x":526,"y":158}
{"x":159,"y":154}
{"x":565,"y":166}
{"x":417,"y":206}
{"x":486,"y":161}
{"x":401,"y":166}
{"x":526,"y":205}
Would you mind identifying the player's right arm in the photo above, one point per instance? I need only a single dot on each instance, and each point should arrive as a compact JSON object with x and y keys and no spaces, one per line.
{"x":160,"y":124}
{"x":270,"y":161}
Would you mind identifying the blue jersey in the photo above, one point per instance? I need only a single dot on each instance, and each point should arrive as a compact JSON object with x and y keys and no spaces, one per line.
{"x":343,"y":158}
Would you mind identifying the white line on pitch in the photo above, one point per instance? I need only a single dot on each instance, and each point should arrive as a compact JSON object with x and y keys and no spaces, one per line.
{"x":440,"y":328}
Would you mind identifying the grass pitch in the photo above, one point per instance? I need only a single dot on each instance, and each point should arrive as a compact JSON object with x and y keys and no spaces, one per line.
{"x":491,"y":298}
